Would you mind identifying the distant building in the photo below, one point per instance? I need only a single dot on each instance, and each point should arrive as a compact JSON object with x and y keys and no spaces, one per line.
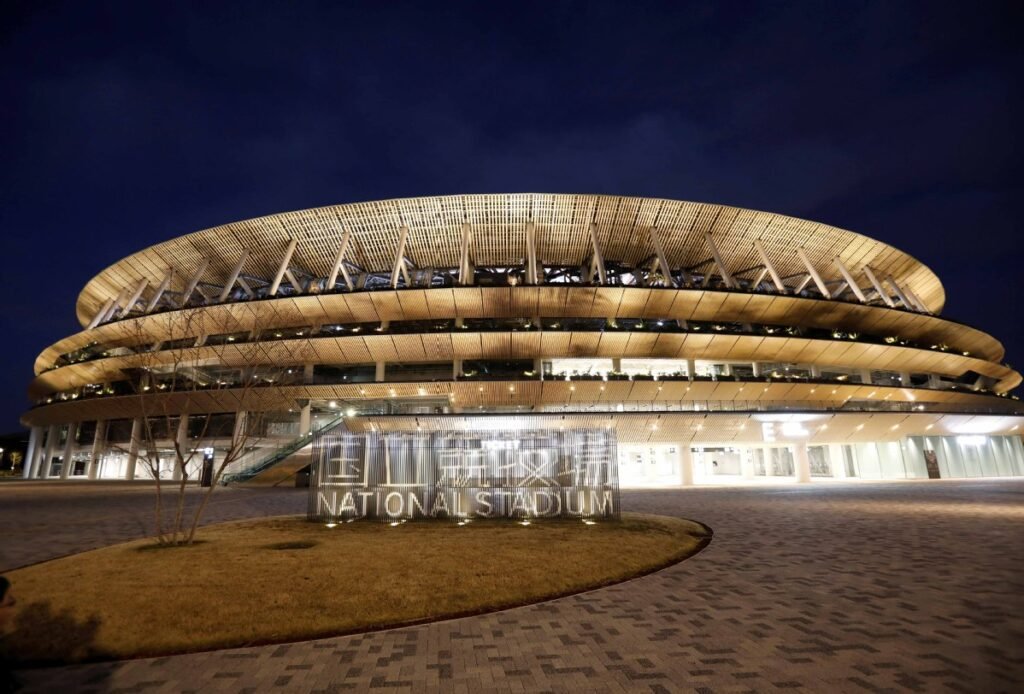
{"x":721,"y":344}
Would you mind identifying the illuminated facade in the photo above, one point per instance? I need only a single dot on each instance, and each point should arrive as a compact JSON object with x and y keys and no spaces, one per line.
{"x":720,"y":344}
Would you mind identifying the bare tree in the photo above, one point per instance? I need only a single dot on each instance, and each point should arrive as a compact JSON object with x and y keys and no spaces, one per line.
{"x":173,"y":373}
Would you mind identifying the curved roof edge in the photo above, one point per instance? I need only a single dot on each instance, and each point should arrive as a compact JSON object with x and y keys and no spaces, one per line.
{"x":562,"y":221}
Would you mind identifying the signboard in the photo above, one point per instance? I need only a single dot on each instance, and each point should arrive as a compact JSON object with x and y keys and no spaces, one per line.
{"x":521,"y":474}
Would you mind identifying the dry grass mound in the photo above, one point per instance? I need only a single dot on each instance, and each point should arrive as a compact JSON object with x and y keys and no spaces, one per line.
{"x":286,"y":579}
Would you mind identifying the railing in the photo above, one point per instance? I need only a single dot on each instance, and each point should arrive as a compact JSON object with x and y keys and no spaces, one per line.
{"x":97,"y":351}
{"x":769,"y":406}
{"x":250,"y":471}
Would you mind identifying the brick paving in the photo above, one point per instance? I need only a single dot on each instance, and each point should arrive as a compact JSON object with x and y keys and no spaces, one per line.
{"x":897,"y":587}
{"x":44,"y":520}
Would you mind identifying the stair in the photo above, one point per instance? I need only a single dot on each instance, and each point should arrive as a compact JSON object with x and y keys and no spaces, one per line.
{"x":281,"y":474}
{"x":287,"y":459}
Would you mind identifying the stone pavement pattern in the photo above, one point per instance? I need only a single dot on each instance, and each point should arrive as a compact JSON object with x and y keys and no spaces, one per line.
{"x":856,"y":587}
{"x":44,"y":520}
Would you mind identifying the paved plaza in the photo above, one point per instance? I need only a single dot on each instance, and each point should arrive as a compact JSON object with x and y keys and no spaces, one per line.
{"x":855,"y":587}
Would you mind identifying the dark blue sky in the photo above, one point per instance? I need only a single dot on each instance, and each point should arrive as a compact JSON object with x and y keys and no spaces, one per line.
{"x":125,"y":124}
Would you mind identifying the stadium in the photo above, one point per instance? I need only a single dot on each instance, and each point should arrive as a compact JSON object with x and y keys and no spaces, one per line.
{"x":719,"y":345}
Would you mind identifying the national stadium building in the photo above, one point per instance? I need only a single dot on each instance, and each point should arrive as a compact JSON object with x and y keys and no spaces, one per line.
{"x":718,"y":344}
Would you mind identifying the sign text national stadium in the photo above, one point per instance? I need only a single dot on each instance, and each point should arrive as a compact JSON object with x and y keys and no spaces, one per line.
{"x":464,"y":474}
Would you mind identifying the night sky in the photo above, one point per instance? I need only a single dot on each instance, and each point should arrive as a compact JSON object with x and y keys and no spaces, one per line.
{"x":126,"y":124}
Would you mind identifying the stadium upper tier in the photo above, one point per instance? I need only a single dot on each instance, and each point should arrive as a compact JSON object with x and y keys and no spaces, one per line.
{"x":522,"y":276}
{"x":609,"y":240}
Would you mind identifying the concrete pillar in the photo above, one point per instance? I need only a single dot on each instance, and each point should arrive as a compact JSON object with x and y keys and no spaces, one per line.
{"x":727,"y":369}
{"x":98,"y":441}
{"x":457,"y":368}
{"x":836,"y":461}
{"x":747,"y":463}
{"x":69,"y":444}
{"x":378,"y":375}
{"x":306,"y":419}
{"x":802,"y":462}
{"x":538,"y":365}
{"x":34,"y":439}
{"x":51,"y":445}
{"x":769,"y":466}
{"x":181,"y":436}
{"x":865,"y":376}
{"x":133,"y":449}
{"x":755,"y":367}
{"x":241,"y":425}
{"x":815,"y":370}
{"x":691,"y":368}
{"x":905,"y":379}
{"x":685,"y":464}
{"x":616,"y":364}
{"x":307,"y":373}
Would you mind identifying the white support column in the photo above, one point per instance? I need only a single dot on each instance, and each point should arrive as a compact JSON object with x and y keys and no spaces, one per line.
{"x":899,"y":293}
{"x":69,"y":444}
{"x":726,"y":277}
{"x":136,"y":295}
{"x":399,"y":269}
{"x":181,"y":436}
{"x":279,"y":275}
{"x":29,"y":461}
{"x":836,"y":462}
{"x":802,"y":462}
{"x":193,"y":283}
{"x":457,"y":369}
{"x":159,"y":292}
{"x":685,"y":461}
{"x":378,"y":374}
{"x":118,"y":303}
{"x":691,"y":368}
{"x":305,"y":419}
{"x":878,"y":287}
{"x":820,"y":283}
{"x":850,"y":281}
{"x":133,"y":449}
{"x":905,"y":379}
{"x":776,"y":277}
{"x":915,"y":300}
{"x":534,"y":275}
{"x":465,"y":264}
{"x":98,"y":443}
{"x":100,"y":315}
{"x":597,"y":263}
{"x":755,"y":368}
{"x":293,"y":280}
{"x":52,"y":434}
{"x":241,"y":429}
{"x":659,"y":253}
{"x":339,"y":264}
{"x":760,"y":278}
{"x":230,"y":283}
{"x":865,"y":376}
{"x":308,"y":373}
{"x":747,"y":463}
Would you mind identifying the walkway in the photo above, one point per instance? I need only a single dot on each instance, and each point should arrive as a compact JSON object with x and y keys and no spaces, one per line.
{"x":827,"y":587}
